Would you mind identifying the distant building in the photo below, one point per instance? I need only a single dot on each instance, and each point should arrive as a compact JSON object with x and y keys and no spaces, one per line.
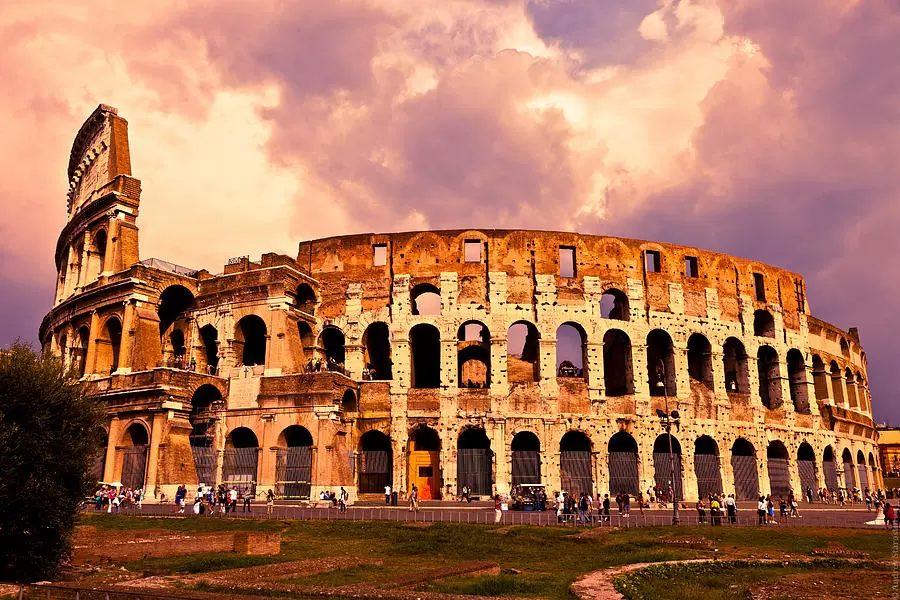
{"x":889,"y":448}
{"x":438,"y":358}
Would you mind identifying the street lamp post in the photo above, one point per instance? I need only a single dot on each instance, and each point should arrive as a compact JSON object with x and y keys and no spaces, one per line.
{"x":666,"y":420}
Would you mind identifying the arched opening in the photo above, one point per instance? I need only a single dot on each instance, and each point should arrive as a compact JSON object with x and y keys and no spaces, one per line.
{"x":203,"y":432}
{"x":614,"y":305}
{"x":334,"y":348}
{"x":240,"y":460}
{"x":737,"y":374}
{"x":796,"y":367}
{"x":862,"y":472}
{"x":377,"y":343}
{"x":173,"y":303}
{"x":526,"y":458}
{"x":829,"y":469}
{"x":862,"y":393}
{"x":820,"y":378}
{"x":575,"y":469}
{"x":375,"y":463}
{"x":424,"y":456}
{"x":349,"y":403}
{"x":707,"y":467}
{"x":806,"y":465}
{"x":108,"y":345}
{"x":769,"y":377}
{"x":523,"y":360}
{"x":293,"y":463}
{"x":134,"y":456}
{"x":98,"y":465}
{"x":845,"y":348}
{"x":618,"y":371}
{"x":661,"y":363}
{"x":305,"y":299}
{"x":473,"y":355}
{"x":474,"y":462}
{"x":426,"y":299}
{"x":746,"y":477}
{"x":700,"y":360}
{"x":100,"y":248}
{"x":667,"y":466}
{"x":623,"y":464}
{"x":779,"y":476}
{"x":847,"y":460}
{"x":571,"y":351}
{"x":80,"y":350}
{"x":307,"y":344}
{"x":178,"y":349}
{"x":425,"y":356}
{"x":851,"y":388}
{"x":763,"y":324}
{"x":837,"y":384}
{"x":210,"y":337}
{"x":250,"y":340}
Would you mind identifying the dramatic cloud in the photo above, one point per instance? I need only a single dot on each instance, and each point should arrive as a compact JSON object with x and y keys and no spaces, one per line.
{"x":759,"y":128}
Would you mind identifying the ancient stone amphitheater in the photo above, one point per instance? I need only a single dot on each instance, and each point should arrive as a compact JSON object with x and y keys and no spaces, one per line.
{"x":441,"y":358}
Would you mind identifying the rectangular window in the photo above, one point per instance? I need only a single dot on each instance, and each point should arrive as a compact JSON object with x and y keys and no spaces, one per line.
{"x":566,"y":261}
{"x":759,"y":283}
{"x":380,"y":257}
{"x":801,"y":298}
{"x":472,"y":251}
{"x":425,"y":472}
{"x":690,"y":266}
{"x":652,"y":261}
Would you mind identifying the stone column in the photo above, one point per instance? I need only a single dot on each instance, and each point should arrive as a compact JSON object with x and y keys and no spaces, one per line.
{"x":549,"y":387}
{"x":762,"y":471}
{"x":594,"y":368}
{"x":688,"y":475}
{"x":92,"y":344}
{"x":785,"y":382}
{"x":126,"y":346}
{"x":109,"y":467}
{"x":499,"y":375}
{"x":449,"y":368}
{"x":156,"y":429}
{"x":502,"y":475}
{"x":268,"y":453}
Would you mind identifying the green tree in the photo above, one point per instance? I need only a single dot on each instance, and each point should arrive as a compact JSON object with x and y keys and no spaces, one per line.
{"x":47,"y":442}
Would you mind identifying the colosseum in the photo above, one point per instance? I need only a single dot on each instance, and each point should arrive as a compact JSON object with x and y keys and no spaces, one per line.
{"x":487,"y":358}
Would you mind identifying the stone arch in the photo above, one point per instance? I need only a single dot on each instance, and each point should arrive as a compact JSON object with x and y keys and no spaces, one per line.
{"x":425,"y":299}
{"x":777,"y":459}
{"x":473,"y":355}
{"x":837,"y":384}
{"x":661,"y":363}
{"x":614,"y":305}
{"x":769,"y":377}
{"x":307,"y":342}
{"x":700,"y":359}
{"x":667,"y":468}
{"x":851,"y":388}
{"x":763,"y":324}
{"x":174,"y":302}
{"x":376,"y":341}
{"x":349,"y":403}
{"x":796,"y":367}
{"x":575,"y":464}
{"x":820,"y":378}
{"x":622,"y":454}
{"x":305,"y":299}
{"x":108,"y":345}
{"x":845,"y":348}
{"x":737,"y":372}
{"x":571,"y":350}
{"x":862,"y":472}
{"x":523,"y":360}
{"x":209,"y":336}
{"x":743,"y":463}
{"x":135,"y":446}
{"x":806,"y":465}
{"x":375,"y":462}
{"x":525,"y":450}
{"x":334,"y":347}
{"x":80,"y":350}
{"x":707,"y":466}
{"x":425,"y":356}
{"x":474,"y":461}
{"x":618,"y":369}
{"x":829,"y":469}
{"x":240,"y":460}
{"x":847,"y":463}
{"x":293,"y":462}
{"x":250,"y":339}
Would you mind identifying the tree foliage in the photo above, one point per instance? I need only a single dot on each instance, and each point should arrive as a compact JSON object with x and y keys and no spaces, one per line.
{"x":47,"y":443}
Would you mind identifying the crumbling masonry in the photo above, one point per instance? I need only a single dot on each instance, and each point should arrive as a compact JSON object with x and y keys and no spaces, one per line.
{"x":442,"y":358}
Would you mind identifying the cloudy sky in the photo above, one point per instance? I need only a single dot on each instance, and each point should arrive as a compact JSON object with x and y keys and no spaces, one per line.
{"x":762,"y":128}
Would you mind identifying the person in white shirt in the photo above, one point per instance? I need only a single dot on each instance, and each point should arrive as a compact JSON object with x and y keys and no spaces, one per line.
{"x":387,"y":495}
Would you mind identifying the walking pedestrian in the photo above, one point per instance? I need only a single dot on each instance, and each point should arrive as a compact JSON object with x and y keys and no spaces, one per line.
{"x":270,"y":501}
{"x":387,"y":495}
{"x":498,"y":512}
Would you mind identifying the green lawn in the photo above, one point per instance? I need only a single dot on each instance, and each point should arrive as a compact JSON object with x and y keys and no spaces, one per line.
{"x":549,"y":558}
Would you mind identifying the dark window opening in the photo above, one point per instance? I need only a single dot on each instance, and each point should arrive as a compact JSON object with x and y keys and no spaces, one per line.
{"x":618,"y":373}
{"x":700,"y":360}
{"x":566,"y":261}
{"x":108,"y":345}
{"x":379,"y":255}
{"x":472,"y":251}
{"x":690,"y":267}
{"x":424,"y":438}
{"x":571,"y":351}
{"x":377,"y":344}
{"x":820,"y":378}
{"x":661,"y":364}
{"x":250,"y":340}
{"x":797,"y":379}
{"x":652,"y":261}
{"x":769,"y":377}
{"x":523,"y":363}
{"x":306,"y":299}
{"x":837,"y":384}
{"x":851,"y":388}
{"x":210,"y":337}
{"x":614,"y":305}
{"x":759,"y":284}
{"x":334,"y":348}
{"x":737,"y":374}
{"x":173,"y":303}
{"x":425,"y":351}
{"x":307,"y":342}
{"x":763,"y":324}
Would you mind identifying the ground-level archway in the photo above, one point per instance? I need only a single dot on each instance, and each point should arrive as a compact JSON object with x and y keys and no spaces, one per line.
{"x":746,"y":476}
{"x":707,"y":467}
{"x":375,"y":463}
{"x":526,"y":458}
{"x":134,"y":456}
{"x":240,"y":460}
{"x":829,"y":469}
{"x":424,"y":457}
{"x":474,"y":462}
{"x":847,"y":460}
{"x":623,"y":464}
{"x":806,"y":465}
{"x":667,"y":468}
{"x":203,"y":431}
{"x":575,"y":468}
{"x":779,"y":475}
{"x":293,"y":463}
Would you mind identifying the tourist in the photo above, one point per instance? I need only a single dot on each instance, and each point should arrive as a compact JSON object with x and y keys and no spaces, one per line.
{"x":270,"y":502}
{"x":232,"y":499}
{"x":498,"y":505}
{"x":640,"y":502}
{"x":701,"y":512}
{"x":139,"y":498}
{"x":342,"y":500}
{"x":770,"y":510}
{"x":761,"y":511}
{"x":387,"y":495}
{"x":731,"y":509}
{"x":582,"y":508}
{"x":248,"y":497}
{"x":715,"y":510}
{"x":889,"y":515}
{"x":606,"y":505}
{"x":809,"y":495}
{"x":782,"y":508}
{"x":626,"y":504}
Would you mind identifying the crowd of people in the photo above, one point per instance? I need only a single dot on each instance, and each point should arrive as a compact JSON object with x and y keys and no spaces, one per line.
{"x":116,"y":498}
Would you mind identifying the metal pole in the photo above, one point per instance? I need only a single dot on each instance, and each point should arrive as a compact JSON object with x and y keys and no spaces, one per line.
{"x":668,"y":423}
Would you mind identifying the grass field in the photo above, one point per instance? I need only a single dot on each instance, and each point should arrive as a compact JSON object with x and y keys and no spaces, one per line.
{"x":546,"y":560}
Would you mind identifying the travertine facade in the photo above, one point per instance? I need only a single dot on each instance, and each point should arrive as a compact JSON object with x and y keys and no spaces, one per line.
{"x":482,"y":356}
